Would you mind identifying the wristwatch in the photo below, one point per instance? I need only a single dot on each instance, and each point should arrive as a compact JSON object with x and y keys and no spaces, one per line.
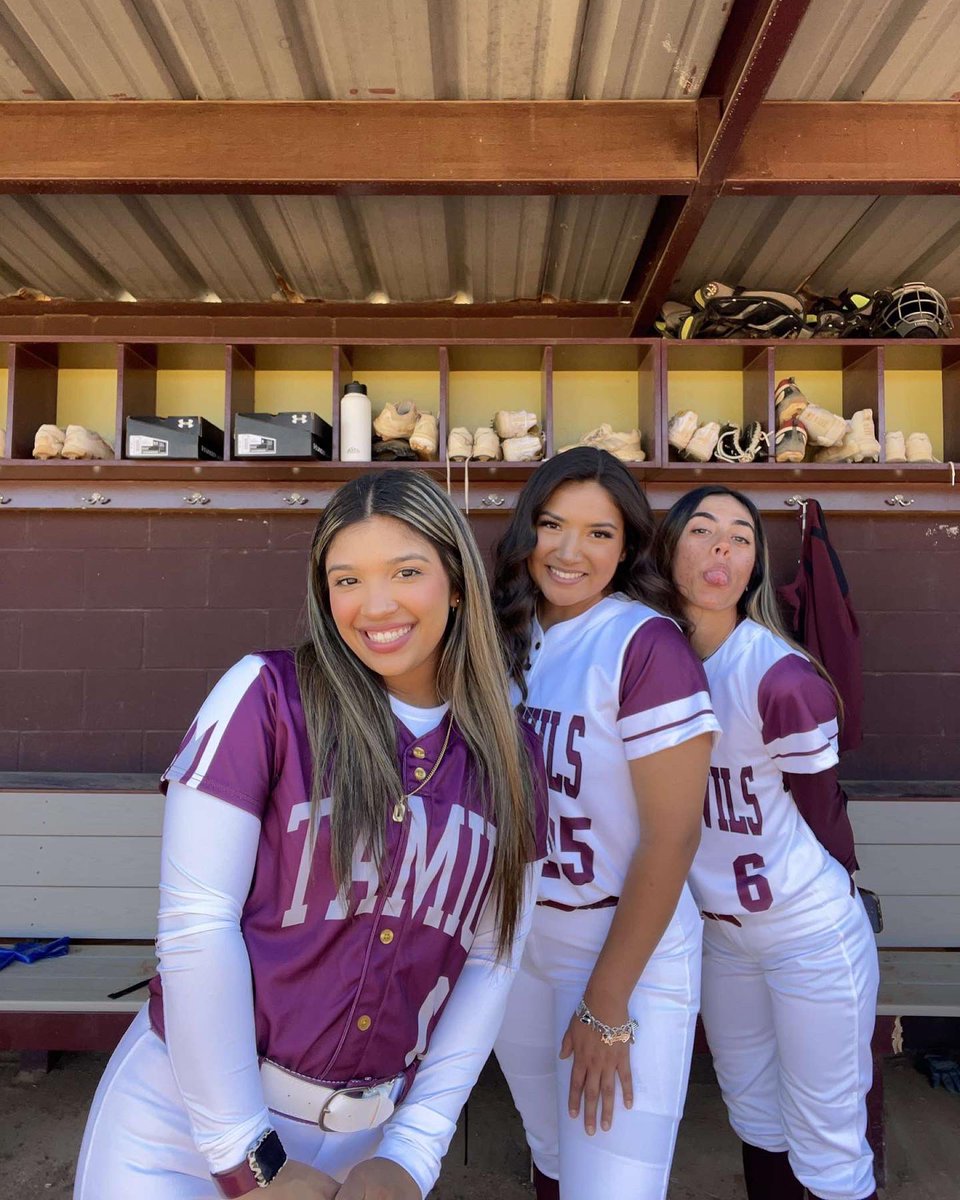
{"x":264,"y":1161}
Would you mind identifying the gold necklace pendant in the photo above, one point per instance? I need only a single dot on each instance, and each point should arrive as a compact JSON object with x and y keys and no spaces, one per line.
{"x":400,"y":808}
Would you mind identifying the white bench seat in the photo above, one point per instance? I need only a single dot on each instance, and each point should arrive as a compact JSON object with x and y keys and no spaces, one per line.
{"x":919,"y":983}
{"x":80,"y":981}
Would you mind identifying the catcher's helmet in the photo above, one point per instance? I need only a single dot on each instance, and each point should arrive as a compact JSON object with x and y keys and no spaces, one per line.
{"x":914,"y":310}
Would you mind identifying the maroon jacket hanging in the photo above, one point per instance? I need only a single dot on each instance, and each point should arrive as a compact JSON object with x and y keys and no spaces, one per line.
{"x":821,"y":618}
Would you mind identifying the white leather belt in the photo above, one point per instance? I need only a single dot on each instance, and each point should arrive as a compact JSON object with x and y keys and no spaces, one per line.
{"x":336,"y":1110}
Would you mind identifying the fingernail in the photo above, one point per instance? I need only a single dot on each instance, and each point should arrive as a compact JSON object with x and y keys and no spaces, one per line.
{"x":572,"y":1111}
{"x":591,"y":1130}
{"x":606,"y":1125}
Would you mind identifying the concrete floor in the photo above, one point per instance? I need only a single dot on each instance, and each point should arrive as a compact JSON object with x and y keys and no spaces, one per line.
{"x":43,"y":1122}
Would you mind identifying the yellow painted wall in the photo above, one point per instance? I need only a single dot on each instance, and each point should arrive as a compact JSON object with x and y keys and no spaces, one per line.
{"x":914,"y":403}
{"x":283,"y":391}
{"x":820,"y":381}
{"x":87,"y":388}
{"x":393,"y":374}
{"x":192,"y":381}
{"x":713,"y":395}
{"x":582,"y":400}
{"x":294,"y":377}
{"x":393,"y":387}
{"x":476,"y":395}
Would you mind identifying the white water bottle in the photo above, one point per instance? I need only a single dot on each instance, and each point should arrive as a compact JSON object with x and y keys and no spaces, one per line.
{"x":356,"y":422}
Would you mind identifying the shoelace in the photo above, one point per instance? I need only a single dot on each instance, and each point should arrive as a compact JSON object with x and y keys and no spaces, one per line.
{"x":466,"y":481}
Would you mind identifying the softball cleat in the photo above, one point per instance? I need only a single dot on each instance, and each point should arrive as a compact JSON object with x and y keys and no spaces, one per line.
{"x":681,"y":428}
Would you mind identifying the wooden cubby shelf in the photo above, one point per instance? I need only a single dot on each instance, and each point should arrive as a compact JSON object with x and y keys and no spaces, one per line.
{"x":571,"y":385}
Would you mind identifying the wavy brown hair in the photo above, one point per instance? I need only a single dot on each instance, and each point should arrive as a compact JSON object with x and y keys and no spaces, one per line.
{"x":349,"y":721}
{"x":515,"y":594}
{"x":759,"y":598}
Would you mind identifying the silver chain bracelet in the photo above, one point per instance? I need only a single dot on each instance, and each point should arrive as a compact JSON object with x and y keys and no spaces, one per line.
{"x":610,"y":1035}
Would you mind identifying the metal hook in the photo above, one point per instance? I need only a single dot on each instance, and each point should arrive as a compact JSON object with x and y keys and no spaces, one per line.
{"x":294,"y":498}
{"x":493,"y":501}
{"x":898,"y":501}
{"x":796,"y":502}
{"x":94,"y":498}
{"x":5,"y":499}
{"x":197,"y":498}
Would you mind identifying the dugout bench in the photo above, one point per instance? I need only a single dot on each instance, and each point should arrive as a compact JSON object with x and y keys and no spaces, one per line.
{"x":79,"y":855}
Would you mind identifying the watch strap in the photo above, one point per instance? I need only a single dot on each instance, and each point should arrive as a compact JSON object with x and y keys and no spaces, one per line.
{"x":263,"y":1161}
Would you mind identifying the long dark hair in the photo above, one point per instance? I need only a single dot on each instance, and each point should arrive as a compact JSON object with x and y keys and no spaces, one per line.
{"x":759,"y":599}
{"x":348,"y":717}
{"x":514,"y":592}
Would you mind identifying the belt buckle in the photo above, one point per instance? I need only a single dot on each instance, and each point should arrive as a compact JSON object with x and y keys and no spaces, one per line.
{"x":375,"y":1098}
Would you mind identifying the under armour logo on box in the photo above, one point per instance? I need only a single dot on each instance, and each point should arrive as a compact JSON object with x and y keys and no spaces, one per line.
{"x":185,"y":423}
{"x":299,"y":419}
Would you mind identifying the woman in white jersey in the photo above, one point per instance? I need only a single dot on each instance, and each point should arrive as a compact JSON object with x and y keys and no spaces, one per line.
{"x":621,"y":705}
{"x":790,"y":962}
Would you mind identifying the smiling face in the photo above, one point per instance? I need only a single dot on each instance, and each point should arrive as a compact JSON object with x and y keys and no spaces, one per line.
{"x":390,"y":598}
{"x":714,"y":557}
{"x":580,"y":544}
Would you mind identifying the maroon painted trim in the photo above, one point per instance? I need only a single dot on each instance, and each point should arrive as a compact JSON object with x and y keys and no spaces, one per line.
{"x":94,"y":1031}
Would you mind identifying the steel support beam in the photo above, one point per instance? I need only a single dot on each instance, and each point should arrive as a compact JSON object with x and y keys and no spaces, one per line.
{"x":756,"y":38}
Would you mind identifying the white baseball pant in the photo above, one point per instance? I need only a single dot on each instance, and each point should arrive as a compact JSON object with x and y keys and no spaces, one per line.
{"x":632,"y":1159}
{"x":138,"y":1144}
{"x":789,"y":1002}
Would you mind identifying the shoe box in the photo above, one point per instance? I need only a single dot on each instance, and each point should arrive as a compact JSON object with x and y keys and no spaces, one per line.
{"x":173,"y":437}
{"x":282,"y":435}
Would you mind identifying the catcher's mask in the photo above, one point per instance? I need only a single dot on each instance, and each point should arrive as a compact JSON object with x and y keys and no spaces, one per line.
{"x":914,"y":310}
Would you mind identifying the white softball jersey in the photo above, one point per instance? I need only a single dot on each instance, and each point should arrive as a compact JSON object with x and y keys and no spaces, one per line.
{"x":779,"y":716}
{"x":613,"y":684}
{"x":617,"y":683}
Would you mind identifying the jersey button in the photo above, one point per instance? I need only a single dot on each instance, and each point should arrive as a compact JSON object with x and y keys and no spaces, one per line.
{"x":386,"y":936}
{"x":419,"y":774}
{"x":363,"y":1024}
{"x":419,"y":752}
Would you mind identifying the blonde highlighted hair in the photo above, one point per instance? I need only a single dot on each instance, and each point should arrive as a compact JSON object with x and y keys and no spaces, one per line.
{"x":349,"y":721}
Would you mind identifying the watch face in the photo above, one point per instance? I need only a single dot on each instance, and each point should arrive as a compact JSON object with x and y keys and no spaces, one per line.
{"x":266,"y":1158}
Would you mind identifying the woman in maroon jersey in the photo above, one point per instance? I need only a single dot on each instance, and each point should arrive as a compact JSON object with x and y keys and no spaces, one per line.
{"x":350,"y":844}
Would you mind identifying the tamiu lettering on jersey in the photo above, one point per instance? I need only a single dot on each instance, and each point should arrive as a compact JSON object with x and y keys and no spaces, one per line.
{"x":616,"y":683}
{"x":341,"y":996}
{"x":777,"y":716}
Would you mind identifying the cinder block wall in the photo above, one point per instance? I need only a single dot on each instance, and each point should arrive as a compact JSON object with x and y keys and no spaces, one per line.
{"x":114,"y":626}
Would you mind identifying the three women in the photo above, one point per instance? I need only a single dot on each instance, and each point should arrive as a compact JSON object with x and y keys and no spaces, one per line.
{"x":348,"y":868}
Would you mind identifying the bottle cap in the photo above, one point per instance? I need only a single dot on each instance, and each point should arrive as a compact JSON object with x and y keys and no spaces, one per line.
{"x":355,"y":387}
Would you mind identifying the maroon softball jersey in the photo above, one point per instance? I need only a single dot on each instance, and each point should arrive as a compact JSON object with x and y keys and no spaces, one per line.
{"x":341,"y":998}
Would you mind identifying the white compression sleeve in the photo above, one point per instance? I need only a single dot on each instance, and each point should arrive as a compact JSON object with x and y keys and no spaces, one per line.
{"x":209,"y":852}
{"x":419,"y":1132}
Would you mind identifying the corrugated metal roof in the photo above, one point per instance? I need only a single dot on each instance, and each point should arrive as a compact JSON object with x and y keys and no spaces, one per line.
{"x":827,"y":243}
{"x":471,"y":248}
{"x":356,"y":49}
{"x":476,"y":248}
{"x":881,"y":50}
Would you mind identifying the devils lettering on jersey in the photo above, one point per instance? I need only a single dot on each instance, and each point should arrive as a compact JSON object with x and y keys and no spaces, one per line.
{"x":719,"y":799}
{"x":546,"y":723}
